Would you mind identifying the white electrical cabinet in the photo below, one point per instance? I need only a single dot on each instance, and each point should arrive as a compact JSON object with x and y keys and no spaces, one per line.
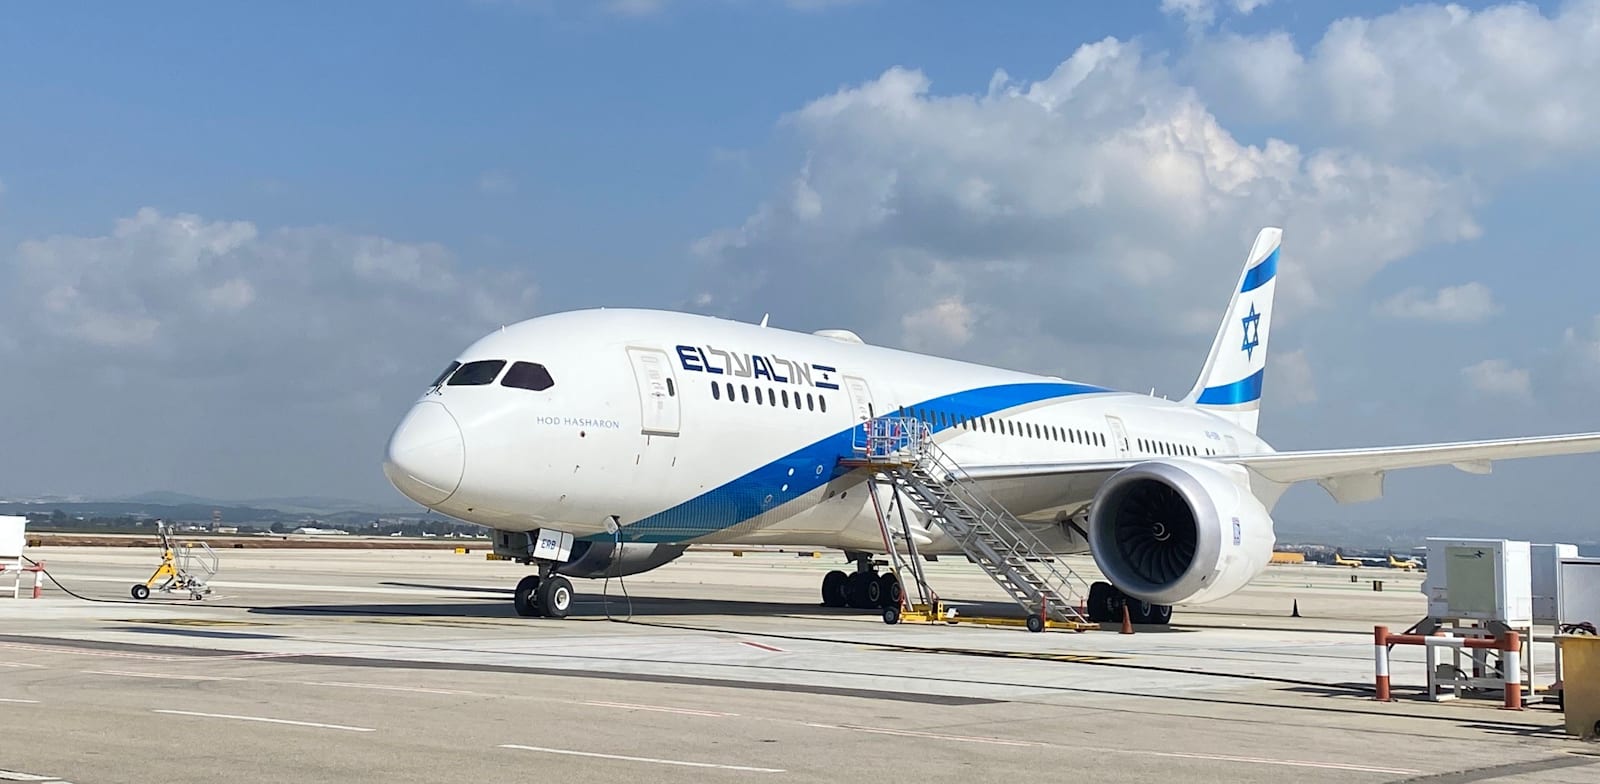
{"x":13,"y":535}
{"x":1480,"y":579}
{"x":1546,"y":558}
{"x":1578,"y":590}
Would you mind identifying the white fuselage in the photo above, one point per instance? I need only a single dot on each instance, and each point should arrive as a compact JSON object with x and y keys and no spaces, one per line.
{"x":689,"y":428}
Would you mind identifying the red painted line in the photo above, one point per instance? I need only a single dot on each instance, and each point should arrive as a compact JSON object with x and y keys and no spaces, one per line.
{"x":761,"y":646}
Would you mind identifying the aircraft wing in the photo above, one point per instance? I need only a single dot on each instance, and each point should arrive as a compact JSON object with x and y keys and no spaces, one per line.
{"x":1349,"y":475}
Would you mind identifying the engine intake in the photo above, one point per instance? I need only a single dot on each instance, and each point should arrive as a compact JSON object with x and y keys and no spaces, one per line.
{"x":1179,"y":531}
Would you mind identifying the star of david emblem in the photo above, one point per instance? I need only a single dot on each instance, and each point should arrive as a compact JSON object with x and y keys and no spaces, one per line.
{"x":1252,"y":333}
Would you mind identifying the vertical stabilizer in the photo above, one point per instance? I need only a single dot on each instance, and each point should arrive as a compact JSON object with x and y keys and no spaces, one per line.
{"x":1230,"y":383}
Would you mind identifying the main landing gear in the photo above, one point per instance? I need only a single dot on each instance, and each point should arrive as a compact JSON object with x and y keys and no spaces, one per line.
{"x":543,"y":595}
{"x":1105,"y":606}
{"x":863,"y":589}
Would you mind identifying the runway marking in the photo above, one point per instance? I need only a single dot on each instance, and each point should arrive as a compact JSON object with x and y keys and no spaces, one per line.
{"x":762,"y":646}
{"x":659,"y":709}
{"x":652,"y":760}
{"x":930,"y":735}
{"x":161,"y":675}
{"x":86,"y":652}
{"x":15,"y":775}
{"x":381,"y":687}
{"x":1094,"y":749}
{"x":19,"y":702}
{"x":264,"y":719}
{"x":19,"y":664}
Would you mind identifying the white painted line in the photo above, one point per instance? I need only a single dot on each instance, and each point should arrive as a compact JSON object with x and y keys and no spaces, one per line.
{"x":160,"y":675}
{"x":12,"y":775}
{"x":1293,"y":763}
{"x":264,"y":719}
{"x":642,"y":759}
{"x":83,"y":651}
{"x":931,"y":735}
{"x":381,"y":687}
{"x":19,"y":702}
{"x":17,"y":664}
{"x":660,"y":709}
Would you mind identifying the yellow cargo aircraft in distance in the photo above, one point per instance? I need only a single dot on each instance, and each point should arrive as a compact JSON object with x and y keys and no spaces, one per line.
{"x":1340,"y":560}
{"x":1397,"y":563}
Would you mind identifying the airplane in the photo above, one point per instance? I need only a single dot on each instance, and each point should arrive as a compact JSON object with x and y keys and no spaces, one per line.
{"x":1407,"y":564}
{"x":602,"y":443}
{"x":1353,"y":563}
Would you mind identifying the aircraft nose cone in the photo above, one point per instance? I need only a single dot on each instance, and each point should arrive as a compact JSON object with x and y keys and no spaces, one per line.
{"x":427,"y":455}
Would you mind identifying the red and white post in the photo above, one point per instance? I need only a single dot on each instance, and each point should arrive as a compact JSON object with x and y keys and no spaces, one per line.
{"x":1380,"y":659}
{"x":1511,"y":665}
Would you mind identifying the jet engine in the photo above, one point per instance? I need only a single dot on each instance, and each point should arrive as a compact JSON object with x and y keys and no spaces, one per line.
{"x":608,"y":559}
{"x":1171,"y":531}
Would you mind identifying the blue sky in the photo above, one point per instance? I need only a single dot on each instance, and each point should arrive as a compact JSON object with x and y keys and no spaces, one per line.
{"x":235,"y":238}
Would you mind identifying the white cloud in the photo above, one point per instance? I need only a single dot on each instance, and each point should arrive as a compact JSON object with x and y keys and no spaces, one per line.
{"x":1100,"y":213}
{"x":194,"y":342}
{"x":1497,"y":378}
{"x":1204,"y":12}
{"x":496,"y":183}
{"x":1290,"y":378}
{"x":1506,"y":78}
{"x":945,"y":323}
{"x":1466,"y":303}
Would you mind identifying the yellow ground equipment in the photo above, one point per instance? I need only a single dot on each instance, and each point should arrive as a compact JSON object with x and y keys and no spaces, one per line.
{"x":178,"y":568}
{"x":1580,"y":684}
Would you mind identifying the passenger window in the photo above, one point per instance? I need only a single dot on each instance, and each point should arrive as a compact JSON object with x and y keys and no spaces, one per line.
{"x":528,"y":375}
{"x":822,"y":403}
{"x":716,"y":391}
{"x":730,"y":391}
{"x":785,"y":398}
{"x":744,"y":392}
{"x":445,"y":374}
{"x":671,"y":391}
{"x":811,"y":402}
{"x":478,"y":373}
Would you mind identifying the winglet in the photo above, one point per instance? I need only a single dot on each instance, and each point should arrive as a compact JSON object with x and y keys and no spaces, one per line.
{"x":1230,"y":383}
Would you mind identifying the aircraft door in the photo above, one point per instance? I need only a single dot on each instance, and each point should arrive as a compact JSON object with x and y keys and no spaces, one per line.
{"x":1119,"y":435}
{"x":658,"y":391}
{"x":860,"y":398}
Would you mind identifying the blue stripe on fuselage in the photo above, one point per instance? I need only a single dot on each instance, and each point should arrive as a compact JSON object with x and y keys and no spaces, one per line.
{"x":813,"y":466}
{"x":1260,"y":273}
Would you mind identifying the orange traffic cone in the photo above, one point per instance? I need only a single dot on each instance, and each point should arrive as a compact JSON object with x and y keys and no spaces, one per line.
{"x":1127,"y":622}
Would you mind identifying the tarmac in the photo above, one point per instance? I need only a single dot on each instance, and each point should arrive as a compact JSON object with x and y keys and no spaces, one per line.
{"x":410,"y":665}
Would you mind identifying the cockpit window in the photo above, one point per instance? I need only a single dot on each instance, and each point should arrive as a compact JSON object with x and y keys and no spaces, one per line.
{"x":528,"y":375}
{"x":477,"y":373}
{"x":445,"y":374}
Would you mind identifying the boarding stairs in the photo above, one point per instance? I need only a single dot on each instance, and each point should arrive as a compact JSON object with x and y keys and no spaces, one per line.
{"x":900,"y":452}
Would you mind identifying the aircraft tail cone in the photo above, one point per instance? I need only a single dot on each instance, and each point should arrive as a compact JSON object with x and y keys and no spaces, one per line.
{"x":1127,"y":622}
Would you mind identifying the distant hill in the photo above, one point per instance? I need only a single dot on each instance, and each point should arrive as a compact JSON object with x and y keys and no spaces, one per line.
{"x":294,"y":505}
{"x":1414,"y":533}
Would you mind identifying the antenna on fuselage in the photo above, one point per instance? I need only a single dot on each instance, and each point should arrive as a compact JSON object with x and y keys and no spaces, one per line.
{"x":764,"y":317}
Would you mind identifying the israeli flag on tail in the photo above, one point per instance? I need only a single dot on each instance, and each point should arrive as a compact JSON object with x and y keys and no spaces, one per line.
{"x":1230,"y":384}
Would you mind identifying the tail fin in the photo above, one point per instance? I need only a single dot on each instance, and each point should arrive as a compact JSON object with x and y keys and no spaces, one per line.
{"x":1230,"y":384}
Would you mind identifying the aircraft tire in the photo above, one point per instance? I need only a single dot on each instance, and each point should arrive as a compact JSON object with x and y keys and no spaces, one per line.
{"x":554,"y":597}
{"x":862,"y":590}
{"x":833,"y":589}
{"x":524,"y":598}
{"x":889,"y":590}
{"x":1105,"y":603}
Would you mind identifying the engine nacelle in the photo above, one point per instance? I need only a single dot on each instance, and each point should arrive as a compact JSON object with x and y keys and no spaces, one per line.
{"x":607,"y":559}
{"x":1171,"y":531}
